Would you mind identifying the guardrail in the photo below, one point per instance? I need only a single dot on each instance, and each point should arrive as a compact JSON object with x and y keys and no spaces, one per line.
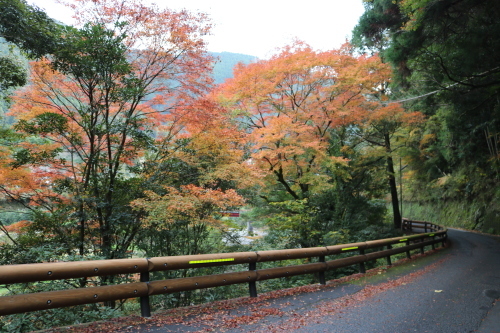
{"x":144,"y":288}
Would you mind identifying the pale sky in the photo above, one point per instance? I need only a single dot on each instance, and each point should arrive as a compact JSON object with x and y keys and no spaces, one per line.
{"x":258,"y":27}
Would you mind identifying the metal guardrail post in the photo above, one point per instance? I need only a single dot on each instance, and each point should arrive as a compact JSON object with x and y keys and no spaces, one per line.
{"x":408,"y":254}
{"x":362,"y":268}
{"x":433,"y":244}
{"x":321,"y":275}
{"x":252,"y":284}
{"x":388,"y":258}
{"x":145,"y":306}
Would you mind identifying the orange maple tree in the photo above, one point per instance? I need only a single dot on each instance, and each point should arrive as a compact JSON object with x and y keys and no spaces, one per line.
{"x":290,"y":103}
{"x":119,"y":86}
{"x":210,"y":154}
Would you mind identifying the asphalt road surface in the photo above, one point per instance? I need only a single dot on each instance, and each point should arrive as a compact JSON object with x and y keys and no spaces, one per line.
{"x":453,"y":290}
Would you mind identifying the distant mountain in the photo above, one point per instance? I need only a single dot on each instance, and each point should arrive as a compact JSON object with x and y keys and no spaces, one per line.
{"x":223,"y":69}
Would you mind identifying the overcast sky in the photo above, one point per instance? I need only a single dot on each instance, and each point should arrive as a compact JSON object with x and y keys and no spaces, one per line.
{"x":258,"y":27}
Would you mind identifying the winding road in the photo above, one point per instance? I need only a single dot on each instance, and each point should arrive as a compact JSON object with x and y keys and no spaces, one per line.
{"x":453,"y":290}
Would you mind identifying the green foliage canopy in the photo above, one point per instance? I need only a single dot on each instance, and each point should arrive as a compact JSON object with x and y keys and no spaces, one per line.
{"x":446,"y":53}
{"x":29,"y":28}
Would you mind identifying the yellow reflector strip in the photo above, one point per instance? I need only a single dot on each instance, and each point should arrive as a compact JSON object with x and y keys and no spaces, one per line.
{"x":431,"y":235}
{"x":210,"y":260}
{"x":403,"y":240}
{"x":349,"y":248}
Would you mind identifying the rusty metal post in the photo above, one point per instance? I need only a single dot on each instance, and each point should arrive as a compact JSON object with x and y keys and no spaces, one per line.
{"x":252,"y":284}
{"x":145,"y":306}
{"x":321,"y":275}
{"x":388,"y":258}
{"x":362,"y":268}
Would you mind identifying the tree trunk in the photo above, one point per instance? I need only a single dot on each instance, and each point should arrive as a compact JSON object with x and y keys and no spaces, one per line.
{"x":392,"y":183}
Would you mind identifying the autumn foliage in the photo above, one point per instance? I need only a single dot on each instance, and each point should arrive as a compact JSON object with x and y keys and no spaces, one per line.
{"x":118,"y":87}
{"x":18,"y":227}
{"x":291,"y":104}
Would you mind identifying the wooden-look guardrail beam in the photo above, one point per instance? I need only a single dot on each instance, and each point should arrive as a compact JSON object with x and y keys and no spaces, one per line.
{"x":200,"y":260}
{"x":200,"y":282}
{"x":64,"y":298}
{"x":66,"y":270}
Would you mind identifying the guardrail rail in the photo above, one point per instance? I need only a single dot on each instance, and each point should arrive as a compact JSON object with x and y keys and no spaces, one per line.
{"x":11,"y":274}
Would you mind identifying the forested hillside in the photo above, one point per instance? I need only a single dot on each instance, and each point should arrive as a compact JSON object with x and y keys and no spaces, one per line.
{"x":446,"y":58}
